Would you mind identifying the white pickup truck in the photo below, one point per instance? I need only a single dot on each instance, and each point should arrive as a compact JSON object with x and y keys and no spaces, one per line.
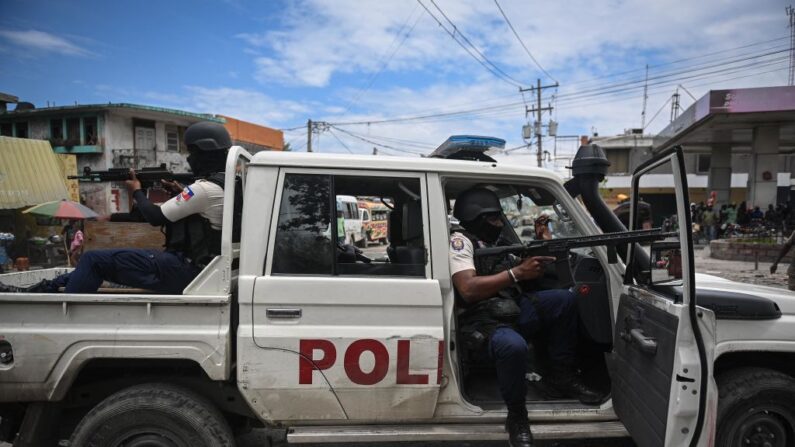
{"x":286,"y":330}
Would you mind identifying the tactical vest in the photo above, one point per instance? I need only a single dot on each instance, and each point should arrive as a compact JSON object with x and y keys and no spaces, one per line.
{"x":478,"y":321}
{"x":195,"y":238}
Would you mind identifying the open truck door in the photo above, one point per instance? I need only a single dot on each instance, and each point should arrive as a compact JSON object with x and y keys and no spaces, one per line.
{"x":661,"y":361}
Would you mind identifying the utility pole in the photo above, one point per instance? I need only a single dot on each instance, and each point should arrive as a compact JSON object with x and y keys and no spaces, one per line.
{"x":675,"y":105}
{"x":537,"y":110}
{"x":645,"y":98}
{"x":791,"y":14}
{"x":309,"y":135}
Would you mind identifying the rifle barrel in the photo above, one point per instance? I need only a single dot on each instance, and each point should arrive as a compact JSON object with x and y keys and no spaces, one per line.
{"x":565,"y":244}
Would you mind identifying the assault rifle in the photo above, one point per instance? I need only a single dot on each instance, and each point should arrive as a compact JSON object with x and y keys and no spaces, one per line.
{"x":559,"y":248}
{"x":147,"y":176}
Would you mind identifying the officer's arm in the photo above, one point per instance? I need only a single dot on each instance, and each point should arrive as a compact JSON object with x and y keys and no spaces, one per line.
{"x":474,"y":288}
{"x":151,"y":212}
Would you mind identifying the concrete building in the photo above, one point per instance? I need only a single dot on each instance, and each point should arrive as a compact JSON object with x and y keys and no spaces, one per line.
{"x":739,"y":143}
{"x":120,"y":135}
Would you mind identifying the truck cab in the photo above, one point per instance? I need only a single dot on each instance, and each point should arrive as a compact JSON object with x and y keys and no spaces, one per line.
{"x":287,"y":330}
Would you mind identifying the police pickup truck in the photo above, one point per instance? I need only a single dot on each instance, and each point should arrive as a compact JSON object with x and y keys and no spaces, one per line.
{"x":292,"y":330}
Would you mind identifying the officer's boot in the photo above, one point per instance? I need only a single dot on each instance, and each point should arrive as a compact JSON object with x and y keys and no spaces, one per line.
{"x":518,"y":427}
{"x":564,"y":381}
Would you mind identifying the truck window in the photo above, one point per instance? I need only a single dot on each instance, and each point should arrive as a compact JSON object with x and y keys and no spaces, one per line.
{"x":303,"y":238}
{"x":309,"y":240}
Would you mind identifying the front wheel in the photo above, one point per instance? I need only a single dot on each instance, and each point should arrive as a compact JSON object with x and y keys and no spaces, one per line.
{"x":756,"y":407}
{"x":153,"y":415}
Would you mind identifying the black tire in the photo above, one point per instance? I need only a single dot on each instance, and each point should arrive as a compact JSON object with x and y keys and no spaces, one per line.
{"x":756,"y":407}
{"x":154,"y":414}
{"x":362,"y":243}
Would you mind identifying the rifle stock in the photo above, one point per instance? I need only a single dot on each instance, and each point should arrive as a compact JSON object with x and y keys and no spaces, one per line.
{"x":559,"y":248}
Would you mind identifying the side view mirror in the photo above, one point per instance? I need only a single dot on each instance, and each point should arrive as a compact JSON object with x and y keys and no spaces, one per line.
{"x":666,"y":263}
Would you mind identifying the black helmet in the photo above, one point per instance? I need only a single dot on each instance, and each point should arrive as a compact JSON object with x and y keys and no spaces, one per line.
{"x":206,"y":136}
{"x":475,"y":201}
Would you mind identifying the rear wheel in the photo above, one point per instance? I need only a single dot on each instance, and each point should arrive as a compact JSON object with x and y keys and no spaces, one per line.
{"x":756,"y":407}
{"x":153,"y":415}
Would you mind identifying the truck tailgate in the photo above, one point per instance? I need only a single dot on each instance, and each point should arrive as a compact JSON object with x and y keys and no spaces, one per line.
{"x":53,"y":335}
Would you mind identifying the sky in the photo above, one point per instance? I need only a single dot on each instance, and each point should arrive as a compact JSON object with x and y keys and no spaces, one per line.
{"x":399,"y":75}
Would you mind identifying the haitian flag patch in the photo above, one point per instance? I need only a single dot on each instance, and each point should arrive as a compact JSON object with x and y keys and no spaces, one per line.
{"x":186,"y":194}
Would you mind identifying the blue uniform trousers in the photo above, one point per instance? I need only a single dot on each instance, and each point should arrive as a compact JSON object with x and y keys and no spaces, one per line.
{"x":162,"y":271}
{"x":552,"y":311}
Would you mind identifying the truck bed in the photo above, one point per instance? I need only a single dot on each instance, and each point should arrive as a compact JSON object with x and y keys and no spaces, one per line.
{"x":53,"y":336}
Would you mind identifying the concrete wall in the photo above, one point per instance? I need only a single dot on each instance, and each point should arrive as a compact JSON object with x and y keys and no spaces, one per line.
{"x":736,"y":250}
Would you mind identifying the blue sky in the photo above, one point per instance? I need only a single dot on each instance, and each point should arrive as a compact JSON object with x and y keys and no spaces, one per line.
{"x":280,"y":63}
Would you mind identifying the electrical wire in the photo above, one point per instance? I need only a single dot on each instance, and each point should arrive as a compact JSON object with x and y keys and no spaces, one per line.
{"x":658,"y":112}
{"x":367,"y":140}
{"x":563,"y":98}
{"x":386,"y":62}
{"x":340,"y":141}
{"x":526,"y":50}
{"x":496,"y":73}
{"x":674,"y":62}
{"x":609,"y":89}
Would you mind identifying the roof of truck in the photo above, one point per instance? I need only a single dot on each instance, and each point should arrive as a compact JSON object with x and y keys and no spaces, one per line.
{"x":418,"y":164}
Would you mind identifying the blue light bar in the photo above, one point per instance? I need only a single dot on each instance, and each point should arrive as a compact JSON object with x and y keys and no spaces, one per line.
{"x":468,"y":147}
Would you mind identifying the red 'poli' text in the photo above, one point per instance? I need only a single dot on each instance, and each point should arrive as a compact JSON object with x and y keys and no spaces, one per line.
{"x":319,"y":355}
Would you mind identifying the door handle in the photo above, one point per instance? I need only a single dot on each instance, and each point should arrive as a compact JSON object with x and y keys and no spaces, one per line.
{"x":283,"y":313}
{"x":647,"y":345}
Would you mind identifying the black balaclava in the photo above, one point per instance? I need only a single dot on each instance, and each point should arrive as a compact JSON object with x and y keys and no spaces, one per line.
{"x":203,"y":164}
{"x":481,"y":228}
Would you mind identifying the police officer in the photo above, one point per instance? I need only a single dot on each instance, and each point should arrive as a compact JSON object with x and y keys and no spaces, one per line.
{"x":192,"y":220}
{"x":488,"y":293}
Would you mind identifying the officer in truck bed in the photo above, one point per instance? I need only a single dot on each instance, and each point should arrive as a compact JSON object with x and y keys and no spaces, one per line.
{"x":495,"y":305}
{"x":192,"y":220}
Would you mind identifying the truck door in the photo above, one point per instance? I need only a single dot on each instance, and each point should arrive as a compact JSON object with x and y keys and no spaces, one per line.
{"x":661,"y":359}
{"x":346,"y":334}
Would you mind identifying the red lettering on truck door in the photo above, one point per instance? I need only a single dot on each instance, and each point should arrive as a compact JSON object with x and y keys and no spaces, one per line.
{"x":404,"y":377}
{"x":308,"y":363}
{"x":353,"y":356}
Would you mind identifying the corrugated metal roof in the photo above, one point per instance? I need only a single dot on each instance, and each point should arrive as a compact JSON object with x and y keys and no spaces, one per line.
{"x":29,"y":173}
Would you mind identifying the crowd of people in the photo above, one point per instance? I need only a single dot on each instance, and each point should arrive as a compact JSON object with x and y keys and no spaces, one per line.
{"x":732,"y":220}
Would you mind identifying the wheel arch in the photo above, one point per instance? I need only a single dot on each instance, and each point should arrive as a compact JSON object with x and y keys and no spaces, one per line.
{"x":783,"y":362}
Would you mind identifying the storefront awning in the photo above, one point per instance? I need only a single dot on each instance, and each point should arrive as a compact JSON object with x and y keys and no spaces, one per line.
{"x":30,"y":173}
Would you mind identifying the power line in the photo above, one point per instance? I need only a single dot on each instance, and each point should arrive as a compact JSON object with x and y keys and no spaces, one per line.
{"x":338,"y":139}
{"x":505,"y":77}
{"x":605,"y":90}
{"x":374,"y":142}
{"x":386,"y":62}
{"x":674,"y":62}
{"x":455,"y":29}
{"x":658,"y":112}
{"x":447,"y":111}
{"x":580,"y":97}
{"x":662,"y":76}
{"x":526,"y":50}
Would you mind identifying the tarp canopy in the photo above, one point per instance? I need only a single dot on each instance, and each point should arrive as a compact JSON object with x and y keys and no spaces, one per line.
{"x":30,"y":173}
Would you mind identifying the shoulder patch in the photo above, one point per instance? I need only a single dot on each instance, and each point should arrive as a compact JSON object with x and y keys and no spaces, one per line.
{"x":457,"y":243}
{"x":185,"y":195}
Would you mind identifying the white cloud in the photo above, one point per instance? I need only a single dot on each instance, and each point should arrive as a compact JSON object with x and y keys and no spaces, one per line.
{"x":247,"y":105}
{"x":40,"y":40}
{"x":335,"y":46}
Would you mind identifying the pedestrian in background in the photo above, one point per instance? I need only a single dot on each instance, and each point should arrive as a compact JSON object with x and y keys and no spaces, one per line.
{"x":781,"y":254}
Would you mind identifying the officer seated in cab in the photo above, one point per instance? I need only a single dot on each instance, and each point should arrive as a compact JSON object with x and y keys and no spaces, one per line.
{"x":192,"y":221}
{"x":496,"y":304}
